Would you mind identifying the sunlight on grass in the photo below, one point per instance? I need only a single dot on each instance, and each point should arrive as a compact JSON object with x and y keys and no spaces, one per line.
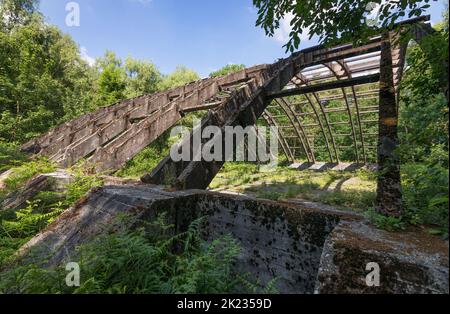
{"x":351,"y":190}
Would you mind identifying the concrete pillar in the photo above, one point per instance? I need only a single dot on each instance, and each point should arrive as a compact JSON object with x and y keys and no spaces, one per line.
{"x":389,"y":195}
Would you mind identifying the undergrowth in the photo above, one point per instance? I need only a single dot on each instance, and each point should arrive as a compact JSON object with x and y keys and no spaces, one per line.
{"x":18,"y":227}
{"x":26,"y":171}
{"x":149,"y":260}
{"x":10,"y":156}
{"x":385,"y":222}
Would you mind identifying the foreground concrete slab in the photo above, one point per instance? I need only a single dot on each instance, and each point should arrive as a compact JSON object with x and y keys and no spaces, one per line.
{"x":409,"y":262}
{"x":308,"y":249}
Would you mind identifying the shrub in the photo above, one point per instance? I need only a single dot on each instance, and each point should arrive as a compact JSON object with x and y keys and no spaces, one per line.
{"x":16,"y":228}
{"x":142,"y":262}
{"x":425,"y":190}
{"x":28,"y":170}
{"x":385,"y":222}
{"x":10,"y":156}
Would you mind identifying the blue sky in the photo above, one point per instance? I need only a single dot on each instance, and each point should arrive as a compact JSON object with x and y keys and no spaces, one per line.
{"x":203,"y":35}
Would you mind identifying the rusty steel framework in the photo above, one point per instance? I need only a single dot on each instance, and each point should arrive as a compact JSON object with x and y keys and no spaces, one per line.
{"x":299,"y":95}
{"x":341,"y":78}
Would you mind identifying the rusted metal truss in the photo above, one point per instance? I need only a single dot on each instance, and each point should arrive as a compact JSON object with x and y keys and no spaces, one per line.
{"x":340,"y":80}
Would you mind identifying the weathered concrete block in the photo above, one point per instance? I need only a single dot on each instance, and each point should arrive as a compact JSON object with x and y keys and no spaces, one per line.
{"x":410,"y":262}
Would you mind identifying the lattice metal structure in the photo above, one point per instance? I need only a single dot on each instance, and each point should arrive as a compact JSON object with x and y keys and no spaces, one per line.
{"x":308,"y":125}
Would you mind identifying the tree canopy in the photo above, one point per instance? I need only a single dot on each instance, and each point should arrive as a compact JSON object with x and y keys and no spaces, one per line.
{"x":229,"y":68}
{"x":181,"y":76}
{"x":13,"y":12}
{"x":44,"y":81}
{"x":333,"y":20}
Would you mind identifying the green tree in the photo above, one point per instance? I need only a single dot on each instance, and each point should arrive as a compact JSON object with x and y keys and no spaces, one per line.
{"x":331,"y":20}
{"x":15,"y":12}
{"x":112,"y":80}
{"x":41,"y":71}
{"x":118,"y":80}
{"x":423,"y":131}
{"x":229,"y":68}
{"x":179,"y":77}
{"x":143,"y":77}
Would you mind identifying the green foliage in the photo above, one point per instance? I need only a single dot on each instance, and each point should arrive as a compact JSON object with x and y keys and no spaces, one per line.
{"x":228,"y":69}
{"x":143,"y":163}
{"x":45,"y":82}
{"x":14,"y":12}
{"x":82,"y":183}
{"x":423,"y":108}
{"x":423,"y":133}
{"x":118,"y":80}
{"x":40,"y":71}
{"x":112,"y":79}
{"x":32,"y":219}
{"x":26,"y":171}
{"x":10,"y":156}
{"x":19,"y":227}
{"x":179,"y":77}
{"x":148,"y":260}
{"x":331,"y":20}
{"x":143,"y":77}
{"x":270,"y":195}
{"x":425,"y":189}
{"x":385,"y":222}
{"x":16,"y":228}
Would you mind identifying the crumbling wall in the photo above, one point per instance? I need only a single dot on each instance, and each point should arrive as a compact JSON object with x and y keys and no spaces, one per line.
{"x":278,"y":241}
{"x":409,"y":262}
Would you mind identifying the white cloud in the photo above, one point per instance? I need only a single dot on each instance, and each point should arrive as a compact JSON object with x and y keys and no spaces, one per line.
{"x":282,"y":34}
{"x":86,"y":57}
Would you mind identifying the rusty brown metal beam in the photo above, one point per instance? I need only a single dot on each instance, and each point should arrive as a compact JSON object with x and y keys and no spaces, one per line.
{"x":300,"y":133}
{"x":284,"y":145}
{"x":373,"y":78}
{"x":358,"y":113}
{"x":327,"y":122}
{"x":302,"y":128}
{"x":352,"y":125}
